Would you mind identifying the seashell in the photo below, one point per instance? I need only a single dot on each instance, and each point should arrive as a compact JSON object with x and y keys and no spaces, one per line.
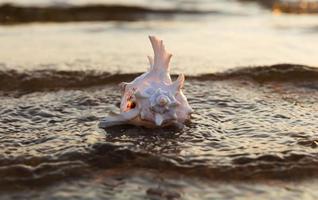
{"x":152,"y":99}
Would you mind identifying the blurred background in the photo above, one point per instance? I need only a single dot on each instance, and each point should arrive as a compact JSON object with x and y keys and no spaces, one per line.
{"x":204,"y":35}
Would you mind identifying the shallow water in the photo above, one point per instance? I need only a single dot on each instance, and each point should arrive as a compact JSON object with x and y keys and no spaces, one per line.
{"x":242,"y":129}
{"x":254,"y":132}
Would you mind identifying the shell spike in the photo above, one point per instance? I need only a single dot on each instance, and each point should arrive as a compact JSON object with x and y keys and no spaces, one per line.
{"x":178,"y":84}
{"x":150,"y":59}
{"x":158,"y":119}
{"x":122,"y":86}
{"x":161,"y":56}
{"x":118,"y":119}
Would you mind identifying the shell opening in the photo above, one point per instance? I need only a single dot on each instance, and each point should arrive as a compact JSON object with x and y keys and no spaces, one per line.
{"x":131,"y":105}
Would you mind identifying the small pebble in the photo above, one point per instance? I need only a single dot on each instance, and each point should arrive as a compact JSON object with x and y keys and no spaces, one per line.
{"x":169,"y":195}
{"x":314,"y":144}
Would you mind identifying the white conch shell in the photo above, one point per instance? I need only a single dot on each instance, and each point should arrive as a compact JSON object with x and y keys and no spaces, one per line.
{"x":152,"y":99}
